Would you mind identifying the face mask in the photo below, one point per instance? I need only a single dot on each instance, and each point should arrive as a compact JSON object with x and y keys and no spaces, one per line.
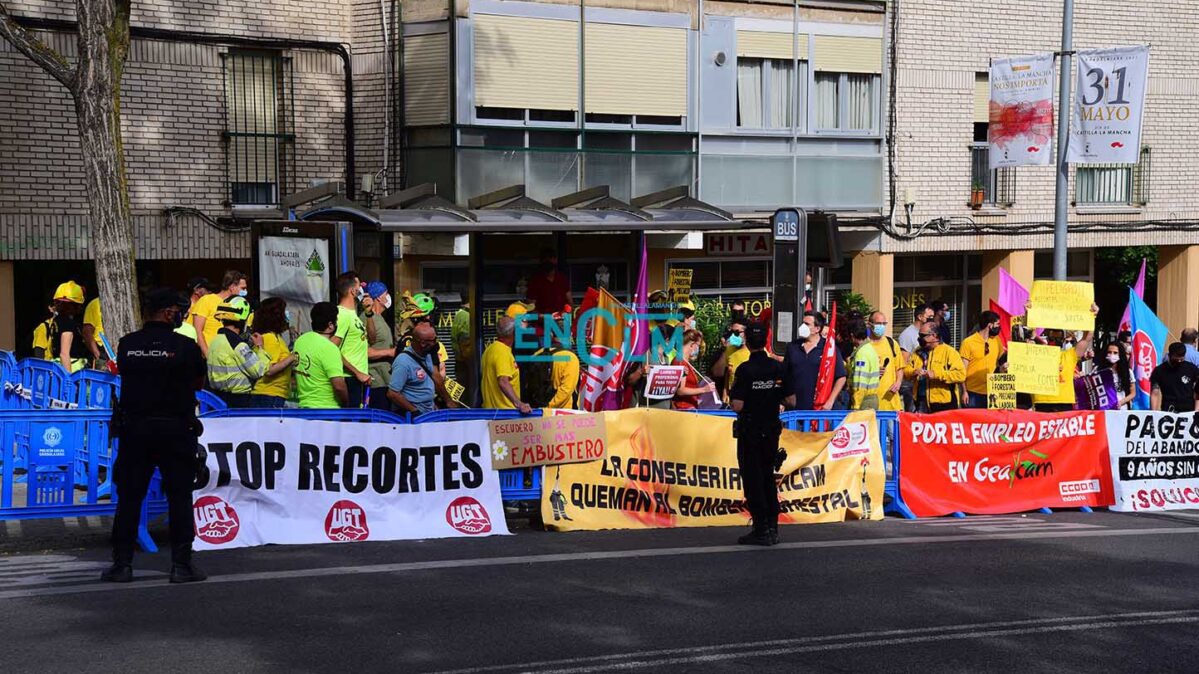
{"x":387,"y":302}
{"x":994,"y":331}
{"x":948,"y":315}
{"x":880,"y":330}
{"x":807,"y":287}
{"x":1113,"y":358}
{"x":804,"y":331}
{"x":287,"y":316}
{"x":178,"y":319}
{"x":736,"y":341}
{"x":243,"y":292}
{"x":1066,"y":346}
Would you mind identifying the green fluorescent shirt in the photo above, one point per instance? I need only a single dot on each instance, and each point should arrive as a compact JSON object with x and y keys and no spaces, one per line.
{"x":318,"y":361}
{"x":352,"y":333}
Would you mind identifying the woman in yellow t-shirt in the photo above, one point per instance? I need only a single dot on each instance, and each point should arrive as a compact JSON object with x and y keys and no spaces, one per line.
{"x":271,"y":321}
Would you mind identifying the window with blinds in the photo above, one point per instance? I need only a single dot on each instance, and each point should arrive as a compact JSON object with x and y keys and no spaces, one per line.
{"x":426,"y":80}
{"x":635,"y":70}
{"x":259,"y":126}
{"x":848,"y":79}
{"x":769,"y":93}
{"x":523,"y":63}
{"x":1113,"y":184}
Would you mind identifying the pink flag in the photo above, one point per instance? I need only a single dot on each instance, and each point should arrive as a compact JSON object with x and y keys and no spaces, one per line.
{"x":638,"y":323}
{"x":1139,"y":289}
{"x":1013,"y":297}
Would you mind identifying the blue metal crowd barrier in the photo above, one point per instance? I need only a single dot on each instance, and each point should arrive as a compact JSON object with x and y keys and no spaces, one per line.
{"x":48,"y":450}
{"x":209,"y":401}
{"x":95,"y":389}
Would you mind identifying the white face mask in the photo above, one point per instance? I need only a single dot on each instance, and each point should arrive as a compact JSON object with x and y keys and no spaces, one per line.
{"x":804,"y":331}
{"x":387,"y":301}
{"x":1113,"y":358}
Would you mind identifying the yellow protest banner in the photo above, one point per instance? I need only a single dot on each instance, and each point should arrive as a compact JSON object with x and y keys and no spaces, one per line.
{"x":678,"y":469}
{"x":541,"y":441}
{"x":1001,"y":391}
{"x":1035,"y":367}
{"x":1065,"y":305}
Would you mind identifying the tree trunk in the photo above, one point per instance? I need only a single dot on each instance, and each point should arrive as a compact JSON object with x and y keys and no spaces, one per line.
{"x":95,"y":86}
{"x":103,"y":46}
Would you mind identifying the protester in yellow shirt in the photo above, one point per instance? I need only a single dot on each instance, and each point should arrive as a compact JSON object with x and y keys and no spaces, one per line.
{"x":203,"y":312}
{"x":273,"y":389}
{"x":93,"y":327}
{"x":891,"y":364}
{"x":980,"y":354}
{"x":938,"y":371}
{"x":42,"y":335}
{"x":734,"y":360}
{"x":501,"y":378}
{"x":565,"y":379}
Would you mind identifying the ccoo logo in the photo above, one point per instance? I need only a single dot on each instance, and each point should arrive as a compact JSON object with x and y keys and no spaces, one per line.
{"x":468,"y":516}
{"x":346,"y":522}
{"x":1145,"y":356}
{"x":216,"y":521}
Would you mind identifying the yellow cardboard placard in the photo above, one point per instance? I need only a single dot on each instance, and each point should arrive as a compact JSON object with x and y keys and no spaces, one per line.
{"x":455,"y":389}
{"x":1035,"y":367}
{"x":543,"y":441}
{"x":1064,"y":305}
{"x":1001,"y":391}
{"x":679,"y":289}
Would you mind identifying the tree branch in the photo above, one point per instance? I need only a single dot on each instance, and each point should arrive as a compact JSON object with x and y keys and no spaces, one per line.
{"x":38,"y":51}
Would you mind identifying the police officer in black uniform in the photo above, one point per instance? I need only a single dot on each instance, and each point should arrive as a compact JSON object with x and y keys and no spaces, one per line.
{"x":155,"y":420}
{"x":759,"y":389}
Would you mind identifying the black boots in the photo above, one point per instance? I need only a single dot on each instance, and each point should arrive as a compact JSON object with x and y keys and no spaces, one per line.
{"x":773,"y":532}
{"x":756,"y":537}
{"x":118,"y":573}
{"x":182,"y":569}
{"x":186,"y":573}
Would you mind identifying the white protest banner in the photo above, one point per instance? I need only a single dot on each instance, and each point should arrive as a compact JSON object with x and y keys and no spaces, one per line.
{"x":664,"y":381}
{"x":1109,"y":100}
{"x":270,"y":481}
{"x":1155,"y":460}
{"x":1020,"y":132}
{"x":296,"y":269}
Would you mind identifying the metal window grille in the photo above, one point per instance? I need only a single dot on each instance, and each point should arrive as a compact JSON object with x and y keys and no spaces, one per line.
{"x":1115,"y":183}
{"x":259,"y":133}
{"x":999,"y":186}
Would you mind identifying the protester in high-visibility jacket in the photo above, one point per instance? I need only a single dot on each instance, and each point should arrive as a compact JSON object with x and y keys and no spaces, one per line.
{"x":863,"y":367}
{"x":938,"y":370}
{"x":234,"y":365}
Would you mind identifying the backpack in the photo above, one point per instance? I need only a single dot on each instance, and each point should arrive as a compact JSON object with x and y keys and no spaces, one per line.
{"x":537,"y":380}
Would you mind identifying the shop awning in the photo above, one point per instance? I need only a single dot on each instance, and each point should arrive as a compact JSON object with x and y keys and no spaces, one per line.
{"x":511,"y":211}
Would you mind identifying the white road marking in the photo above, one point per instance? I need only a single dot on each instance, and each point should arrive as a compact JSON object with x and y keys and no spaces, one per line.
{"x":645,"y":553}
{"x":755,"y":650}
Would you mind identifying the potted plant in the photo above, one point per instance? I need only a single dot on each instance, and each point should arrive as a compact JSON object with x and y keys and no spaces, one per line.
{"x":977,"y":195}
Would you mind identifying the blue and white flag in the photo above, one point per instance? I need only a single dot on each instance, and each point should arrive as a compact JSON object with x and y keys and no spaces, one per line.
{"x":1149,"y":336}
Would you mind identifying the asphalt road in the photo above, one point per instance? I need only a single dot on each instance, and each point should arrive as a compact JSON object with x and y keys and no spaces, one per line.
{"x":1043,"y":593}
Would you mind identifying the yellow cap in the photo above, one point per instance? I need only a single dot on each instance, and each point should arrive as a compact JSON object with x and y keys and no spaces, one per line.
{"x":517,"y":309}
{"x":69,"y":292}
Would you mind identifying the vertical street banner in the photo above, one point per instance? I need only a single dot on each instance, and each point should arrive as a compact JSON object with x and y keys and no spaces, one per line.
{"x":266,"y":481}
{"x":297,"y":270}
{"x":1109,"y":102}
{"x":1154,"y":460}
{"x":677,"y":469}
{"x":996,"y":462}
{"x":1021,"y":111}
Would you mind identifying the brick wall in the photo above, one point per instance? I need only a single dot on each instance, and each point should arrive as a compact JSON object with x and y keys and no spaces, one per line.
{"x":941,"y":47}
{"x":173,"y":116}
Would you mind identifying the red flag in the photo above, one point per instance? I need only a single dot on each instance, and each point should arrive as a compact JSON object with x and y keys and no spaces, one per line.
{"x":1005,"y":323}
{"x":828,"y":364}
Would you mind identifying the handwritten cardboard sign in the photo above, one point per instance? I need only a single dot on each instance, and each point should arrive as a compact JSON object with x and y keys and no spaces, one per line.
{"x":543,"y":441}
{"x":1064,"y":305}
{"x":1001,"y":391}
{"x":679,"y":288}
{"x":1036,"y":368}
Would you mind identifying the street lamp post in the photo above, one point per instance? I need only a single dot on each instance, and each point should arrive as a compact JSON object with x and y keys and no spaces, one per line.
{"x":1060,"y":231}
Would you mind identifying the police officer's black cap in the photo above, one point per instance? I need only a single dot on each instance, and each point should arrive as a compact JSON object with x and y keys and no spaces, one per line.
{"x":163,"y":298}
{"x":756,"y":333}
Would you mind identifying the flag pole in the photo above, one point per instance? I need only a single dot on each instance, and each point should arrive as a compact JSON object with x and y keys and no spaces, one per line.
{"x":1063,"y":138}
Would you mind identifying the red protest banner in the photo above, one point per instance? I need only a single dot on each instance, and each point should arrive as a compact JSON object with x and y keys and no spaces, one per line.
{"x":1003,"y":461}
